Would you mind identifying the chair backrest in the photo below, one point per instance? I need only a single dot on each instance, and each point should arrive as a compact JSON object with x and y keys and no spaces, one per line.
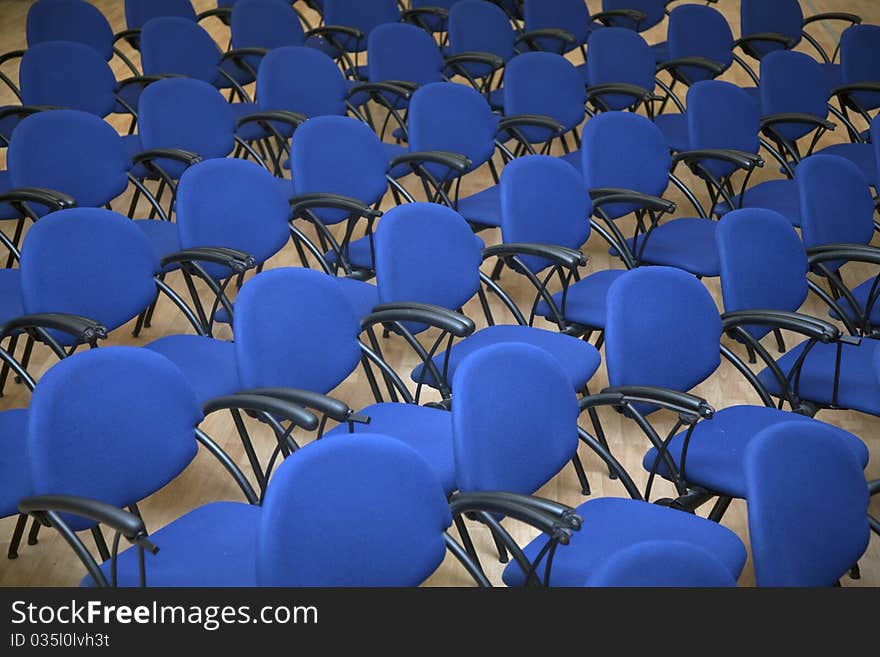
{"x":235,"y":204}
{"x":426,"y":253}
{"x":875,"y":140}
{"x":698,"y":31}
{"x":780,"y":16}
{"x":338,"y":155}
{"x":139,"y":12}
{"x":363,"y":15}
{"x":654,"y":11}
{"x":543,"y":201}
{"x":480,"y":26}
{"x":114,"y":424}
{"x":793,"y":82}
{"x":763,"y":263}
{"x":69,"y":20}
{"x":362,"y":511}
{"x":662,"y":563}
{"x":836,"y":203}
{"x":625,"y":151}
{"x":89,"y":262}
{"x":178,"y":46}
{"x":72,"y":152}
{"x":722,"y":115}
{"x":860,"y":61}
{"x":300,"y":79}
{"x":67,"y":74}
{"x":662,"y":329}
{"x":311,"y":341}
{"x":619,"y":55}
{"x":452,"y":117}
{"x":570,"y":15}
{"x":265,"y":24}
{"x":187,"y":114}
{"x":521,"y":434}
{"x":547,"y":84}
{"x":808,"y":504}
{"x":398,"y":51}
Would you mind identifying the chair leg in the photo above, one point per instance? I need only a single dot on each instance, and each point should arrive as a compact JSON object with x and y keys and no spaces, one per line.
{"x":34,"y":532}
{"x":465,"y":535}
{"x":720,"y":508}
{"x":600,"y":436}
{"x":780,"y":341}
{"x":581,"y":475}
{"x":26,"y":358}
{"x":499,"y":545}
{"x":496,"y":272}
{"x":875,"y":524}
{"x":4,"y":370}
{"x":751,"y":352}
{"x":16,"y":536}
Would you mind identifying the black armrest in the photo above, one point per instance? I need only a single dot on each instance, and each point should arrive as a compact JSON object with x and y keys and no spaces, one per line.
{"x":421,"y":313}
{"x":611,"y":195}
{"x":333,"y":408}
{"x":435,"y":12}
{"x":563,"y":36}
{"x":336,"y":201}
{"x":796,"y":117}
{"x":399,"y":88}
{"x":82,"y":328}
{"x":144,"y":80}
{"x":25,"y":110}
{"x":330,"y":32}
{"x":12,"y":54}
{"x":127,"y":524}
{"x":239,"y":53}
{"x":530,"y":120}
{"x":132,"y":36}
{"x":803,"y":324}
{"x":293,"y":119}
{"x":237,"y":261}
{"x":455,"y":161}
{"x":51,"y":198}
{"x":472,"y":57}
{"x":716,"y":68}
{"x":620,"y":88}
{"x":561,"y":255}
{"x":849,"y":252}
{"x":223,"y":13}
{"x":682,"y":403}
{"x":741,"y":159}
{"x":774,"y":37}
{"x":834,"y":16}
{"x":558,"y":525}
{"x":187,"y":157}
{"x":855,"y":87}
{"x":633,"y":14}
{"x":278,"y":408}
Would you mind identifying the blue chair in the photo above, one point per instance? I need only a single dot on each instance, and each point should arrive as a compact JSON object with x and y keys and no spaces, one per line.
{"x":137,"y":428}
{"x":430,"y":15}
{"x":662,"y":564}
{"x":860,"y":75}
{"x":263,"y":25}
{"x":519,"y":438}
{"x":807,"y":506}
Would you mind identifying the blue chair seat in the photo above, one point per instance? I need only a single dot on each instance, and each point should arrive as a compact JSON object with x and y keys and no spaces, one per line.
{"x":858,"y":387}
{"x":612,"y":524}
{"x":717,"y":447}
{"x":779,"y":195}
{"x":358,"y":253}
{"x":585,"y":302}
{"x":482,"y":208}
{"x":209,"y":365}
{"x":426,"y":430}
{"x":214,"y":545}
{"x":578,"y":358}
{"x":238,"y":73}
{"x":661,"y":51}
{"x":163,"y":236}
{"x":575,"y":159}
{"x":14,"y":470}
{"x":10,"y":295}
{"x":862,"y":155}
{"x":675,"y":129}
{"x":686,"y":243}
{"x":861,"y":293}
{"x":6,"y":210}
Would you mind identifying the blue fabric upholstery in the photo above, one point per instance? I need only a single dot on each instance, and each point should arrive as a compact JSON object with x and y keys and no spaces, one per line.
{"x":478,"y":26}
{"x":187,"y":114}
{"x":10,"y":295}
{"x":138,"y":12}
{"x":232,"y":203}
{"x":570,"y":15}
{"x":311,"y":342}
{"x":781,"y":16}
{"x":172,"y":45}
{"x":543,"y":201}
{"x":362,"y":296}
{"x":699,"y":31}
{"x":675,"y":130}
{"x":14,"y":467}
{"x":862,"y":155}
{"x":514,"y":419}
{"x":261,"y":24}
{"x":619,"y":55}
{"x":364,"y":15}
{"x":686,"y":243}
{"x":662,"y":329}
{"x":98,"y":409}
{"x":6,"y":210}
{"x":793,"y":82}
{"x":426,"y":430}
{"x":717,"y":448}
{"x":586,"y":302}
{"x":399,"y":51}
{"x":859,"y":57}
{"x":807,"y":506}
{"x":88,"y":262}
{"x":482,"y":208}
{"x":338,"y":155}
{"x":664,"y":563}
{"x":208,"y":364}
{"x":612,"y":524}
{"x":213,"y":545}
{"x":72,"y":152}
{"x":778,"y":195}
{"x":67,"y":74}
{"x":69,"y":20}
{"x":163,"y":236}
{"x":387,"y":514}
{"x":654,"y":10}
{"x":547,"y":84}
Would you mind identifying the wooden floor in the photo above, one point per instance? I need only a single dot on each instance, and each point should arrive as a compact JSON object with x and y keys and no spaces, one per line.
{"x":51,"y":564}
